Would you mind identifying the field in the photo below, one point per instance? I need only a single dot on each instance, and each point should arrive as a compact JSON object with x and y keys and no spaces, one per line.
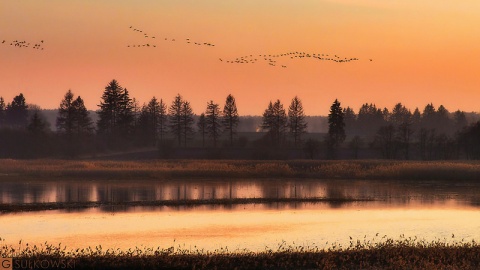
{"x":227,"y":169}
{"x":385,"y":253}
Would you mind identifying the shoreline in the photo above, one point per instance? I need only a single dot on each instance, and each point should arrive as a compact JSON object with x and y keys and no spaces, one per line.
{"x":45,"y":169}
{"x":28,"y":207}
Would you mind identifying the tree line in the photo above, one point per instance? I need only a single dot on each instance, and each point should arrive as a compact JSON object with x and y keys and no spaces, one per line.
{"x":123,"y":125}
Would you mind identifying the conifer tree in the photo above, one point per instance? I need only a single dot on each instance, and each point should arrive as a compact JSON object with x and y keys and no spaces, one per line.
{"x":275,"y":122}
{"x":350,"y":119}
{"x":213,"y":121}
{"x":336,"y":128}
{"x":126,"y":115}
{"x":162,"y":120}
{"x":144,"y":128}
{"x":296,"y":120}
{"x":17,"y":112}
{"x":187,"y":122}
{"x":201,"y":127}
{"x":74,"y":124}
{"x":2,"y":113}
{"x":175,"y":118}
{"x":180,"y":115}
{"x":66,"y":115}
{"x":153,"y":109}
{"x":116,"y":117}
{"x":230,"y":118}
{"x":83,"y":124}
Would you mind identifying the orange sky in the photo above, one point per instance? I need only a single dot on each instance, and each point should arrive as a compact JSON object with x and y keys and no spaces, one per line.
{"x":423,"y":51}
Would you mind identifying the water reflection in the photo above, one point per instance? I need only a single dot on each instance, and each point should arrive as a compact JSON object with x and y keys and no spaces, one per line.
{"x":399,"y":193}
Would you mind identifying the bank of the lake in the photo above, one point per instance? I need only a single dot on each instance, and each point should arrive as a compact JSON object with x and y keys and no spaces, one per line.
{"x":23,"y":207}
{"x":404,"y":253}
{"x":237,"y":169}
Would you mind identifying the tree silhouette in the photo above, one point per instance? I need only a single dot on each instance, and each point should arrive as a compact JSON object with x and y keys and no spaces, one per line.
{"x":144,"y":133}
{"x":162,"y":120}
{"x":126,"y":117}
{"x":460,"y":120}
{"x":336,"y":129}
{"x":428,"y":117}
{"x":416,"y":119}
{"x":187,"y":121}
{"x":201,"y":127}
{"x":369,"y":119}
{"x":469,"y":139}
{"x":230,"y":117}
{"x":175,"y":118}
{"x":38,"y":132}
{"x":350,"y":119}
{"x":37,"y":126}
{"x":17,"y":112}
{"x":444,"y":125}
{"x":116,"y":117}
{"x":296,"y":120}
{"x":136,"y":110}
{"x":154,"y":112}
{"x":2,"y":113}
{"x":66,"y":116}
{"x":83,"y":124}
{"x":213,"y":121}
{"x":401,"y":119}
{"x":180,"y":115}
{"x":386,"y":142}
{"x":268,"y":118}
{"x":275,"y":122}
{"x":110,"y":109}
{"x":74,"y":124}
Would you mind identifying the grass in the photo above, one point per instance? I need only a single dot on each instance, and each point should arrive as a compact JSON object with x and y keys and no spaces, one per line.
{"x":226,"y":169}
{"x":385,"y":253}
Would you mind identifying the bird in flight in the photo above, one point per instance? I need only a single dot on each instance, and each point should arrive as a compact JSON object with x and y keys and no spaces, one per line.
{"x":187,"y":40}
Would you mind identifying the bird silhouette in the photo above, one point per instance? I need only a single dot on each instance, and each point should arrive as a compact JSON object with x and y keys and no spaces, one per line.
{"x":271,"y":59}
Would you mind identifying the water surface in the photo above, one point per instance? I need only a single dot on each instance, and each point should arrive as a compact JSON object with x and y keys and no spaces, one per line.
{"x":427,"y":210}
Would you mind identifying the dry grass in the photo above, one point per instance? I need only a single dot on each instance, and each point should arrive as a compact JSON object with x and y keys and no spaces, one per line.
{"x":171,"y":169}
{"x":380,"y":254}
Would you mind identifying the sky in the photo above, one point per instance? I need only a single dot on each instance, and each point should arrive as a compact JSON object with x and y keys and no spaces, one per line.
{"x":408,"y":51}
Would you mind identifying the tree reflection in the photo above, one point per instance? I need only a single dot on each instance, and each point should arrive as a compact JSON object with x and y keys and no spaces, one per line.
{"x":276,"y":194}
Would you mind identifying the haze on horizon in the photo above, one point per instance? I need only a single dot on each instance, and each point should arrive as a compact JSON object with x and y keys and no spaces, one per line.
{"x":421,"y":51}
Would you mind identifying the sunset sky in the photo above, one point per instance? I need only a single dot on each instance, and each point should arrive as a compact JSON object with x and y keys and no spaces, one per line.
{"x":422,"y":51}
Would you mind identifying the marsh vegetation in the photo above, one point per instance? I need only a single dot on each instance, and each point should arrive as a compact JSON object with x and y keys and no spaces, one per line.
{"x":235,"y":169}
{"x":384,"y":253}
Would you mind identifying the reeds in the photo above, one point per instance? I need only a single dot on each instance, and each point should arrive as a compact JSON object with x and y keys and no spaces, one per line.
{"x":227,"y":169}
{"x":385,"y":253}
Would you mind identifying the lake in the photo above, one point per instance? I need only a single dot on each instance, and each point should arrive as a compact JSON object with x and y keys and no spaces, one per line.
{"x":427,"y":210}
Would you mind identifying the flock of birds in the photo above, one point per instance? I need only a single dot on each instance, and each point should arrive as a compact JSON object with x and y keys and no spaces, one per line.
{"x":23,"y":44}
{"x":271,"y":58}
{"x":152,"y":45}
